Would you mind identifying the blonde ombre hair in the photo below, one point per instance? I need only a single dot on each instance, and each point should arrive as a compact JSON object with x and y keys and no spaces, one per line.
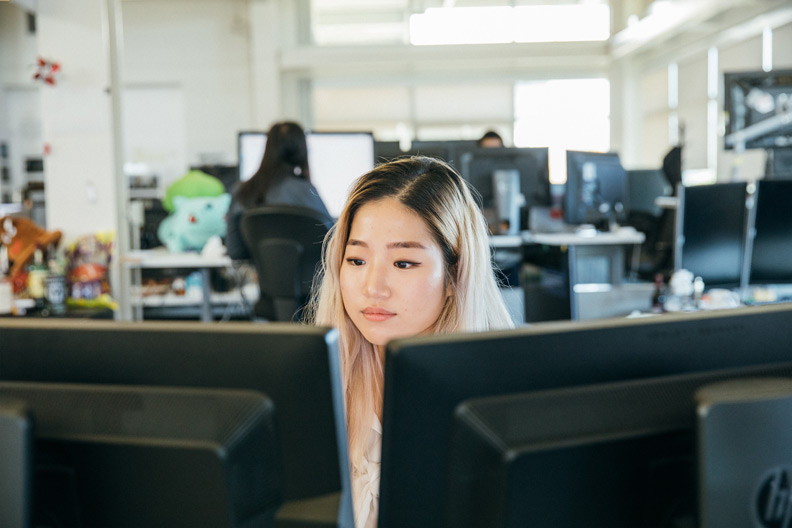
{"x":438,"y":194}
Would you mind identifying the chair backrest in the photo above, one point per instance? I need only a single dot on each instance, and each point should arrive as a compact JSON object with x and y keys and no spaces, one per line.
{"x":286,"y":245}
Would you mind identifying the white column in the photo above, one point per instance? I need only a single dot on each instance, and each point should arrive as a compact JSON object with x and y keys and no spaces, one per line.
{"x":81,"y":175}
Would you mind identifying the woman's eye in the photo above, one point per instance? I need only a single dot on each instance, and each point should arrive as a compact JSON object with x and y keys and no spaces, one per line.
{"x":404,"y":264}
{"x":356,"y":261}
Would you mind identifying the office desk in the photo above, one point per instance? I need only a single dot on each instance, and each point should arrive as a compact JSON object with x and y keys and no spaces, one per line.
{"x":135,"y":261}
{"x":591,"y":277}
{"x":624,"y":236}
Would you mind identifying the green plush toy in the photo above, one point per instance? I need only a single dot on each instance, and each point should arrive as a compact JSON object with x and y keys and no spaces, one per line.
{"x":193,"y":222}
{"x":197,"y":203}
{"x":194,"y":184}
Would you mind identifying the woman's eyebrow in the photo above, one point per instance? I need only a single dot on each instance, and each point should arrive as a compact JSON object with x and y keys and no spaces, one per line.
{"x":406,"y":244}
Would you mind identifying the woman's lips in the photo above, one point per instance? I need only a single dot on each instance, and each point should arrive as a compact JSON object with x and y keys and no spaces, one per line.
{"x":377,"y":314}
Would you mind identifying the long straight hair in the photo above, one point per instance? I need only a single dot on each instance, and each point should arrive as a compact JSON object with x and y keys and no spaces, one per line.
{"x":285,"y":155}
{"x":437,"y":193}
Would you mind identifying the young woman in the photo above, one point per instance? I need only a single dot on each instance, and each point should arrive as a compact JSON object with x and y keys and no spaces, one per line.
{"x":283,"y":178}
{"x":409,"y":255}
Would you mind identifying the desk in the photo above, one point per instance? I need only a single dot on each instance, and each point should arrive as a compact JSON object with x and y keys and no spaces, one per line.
{"x":162,"y":258}
{"x":624,"y":236}
{"x":593,"y":271}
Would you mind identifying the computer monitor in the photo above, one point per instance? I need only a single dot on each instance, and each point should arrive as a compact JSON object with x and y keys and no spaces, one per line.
{"x":426,"y":377}
{"x":482,"y":168}
{"x":645,"y":186}
{"x":620,"y":454}
{"x":385,"y":151}
{"x":294,"y":365}
{"x":771,"y":250}
{"x":711,"y":223}
{"x":250,"y":149}
{"x":336,"y":160}
{"x":126,"y":456}
{"x":596,"y":190}
{"x":434,"y":149}
{"x":449,"y":151}
{"x":755,"y":97}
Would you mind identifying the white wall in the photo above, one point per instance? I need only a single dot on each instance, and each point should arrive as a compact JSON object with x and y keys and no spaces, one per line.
{"x":77,"y":122}
{"x":201,"y":47}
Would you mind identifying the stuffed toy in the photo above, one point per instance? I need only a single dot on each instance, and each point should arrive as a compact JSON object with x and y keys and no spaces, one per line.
{"x":21,"y":236}
{"x":193,"y":222}
{"x":197,"y":203}
{"x":192,"y":185}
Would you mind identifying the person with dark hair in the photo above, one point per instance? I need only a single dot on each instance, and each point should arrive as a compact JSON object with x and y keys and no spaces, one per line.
{"x":283,"y":178}
{"x":490,"y":139}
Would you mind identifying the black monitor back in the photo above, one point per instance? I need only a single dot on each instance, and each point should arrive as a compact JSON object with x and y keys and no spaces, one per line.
{"x":449,"y":151}
{"x":611,"y":455}
{"x":16,"y":463}
{"x":427,"y":377}
{"x":645,"y":186}
{"x":711,"y":225}
{"x":289,"y":363}
{"x":771,"y":250}
{"x":478,"y":164}
{"x":131,"y":456}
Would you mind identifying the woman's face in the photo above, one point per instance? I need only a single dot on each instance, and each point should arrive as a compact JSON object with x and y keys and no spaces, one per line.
{"x":393,"y":273}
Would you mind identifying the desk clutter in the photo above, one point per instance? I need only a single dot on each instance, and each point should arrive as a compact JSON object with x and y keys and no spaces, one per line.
{"x":190,"y":285}
{"x":40,"y":278}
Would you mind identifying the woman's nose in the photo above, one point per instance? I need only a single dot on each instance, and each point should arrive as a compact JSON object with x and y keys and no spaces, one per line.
{"x":376,"y":281}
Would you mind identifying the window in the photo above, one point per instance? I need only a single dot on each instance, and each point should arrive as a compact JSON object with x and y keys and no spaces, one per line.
{"x":562,"y":114}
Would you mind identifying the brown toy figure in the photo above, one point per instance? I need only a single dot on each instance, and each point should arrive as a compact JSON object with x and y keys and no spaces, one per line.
{"x":22,"y":236}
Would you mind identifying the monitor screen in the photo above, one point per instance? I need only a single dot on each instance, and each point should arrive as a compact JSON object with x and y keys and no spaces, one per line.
{"x":426,"y":377}
{"x":624,"y":454}
{"x":336,"y":160}
{"x":479,"y":167}
{"x":250,"y":146}
{"x":294,"y":365}
{"x":771,"y":252}
{"x":596,"y":190}
{"x":751,"y":98}
{"x":124,"y":456}
{"x":711,"y":230}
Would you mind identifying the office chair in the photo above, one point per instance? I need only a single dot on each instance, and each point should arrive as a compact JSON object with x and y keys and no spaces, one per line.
{"x":285,"y":243}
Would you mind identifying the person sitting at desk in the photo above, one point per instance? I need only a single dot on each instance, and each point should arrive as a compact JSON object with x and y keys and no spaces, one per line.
{"x":409,"y":255}
{"x":283,"y":178}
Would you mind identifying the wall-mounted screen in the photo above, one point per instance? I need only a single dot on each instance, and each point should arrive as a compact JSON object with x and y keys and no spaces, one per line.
{"x":756,"y":97}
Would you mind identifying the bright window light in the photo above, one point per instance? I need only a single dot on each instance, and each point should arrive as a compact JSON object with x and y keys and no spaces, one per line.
{"x":466,"y":25}
{"x":493,"y":25}
{"x":562,"y":114}
{"x":561,"y":23}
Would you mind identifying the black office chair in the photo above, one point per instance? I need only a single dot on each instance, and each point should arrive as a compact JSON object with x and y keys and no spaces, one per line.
{"x":285,"y":243}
